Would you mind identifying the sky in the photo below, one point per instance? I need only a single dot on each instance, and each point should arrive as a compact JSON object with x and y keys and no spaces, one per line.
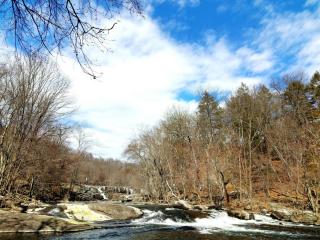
{"x":180,"y":47}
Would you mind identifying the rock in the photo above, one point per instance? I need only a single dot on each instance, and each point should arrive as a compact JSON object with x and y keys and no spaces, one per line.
{"x":216,"y":207}
{"x":82,"y":212}
{"x":305,"y":217}
{"x":181,"y":204}
{"x":201,"y":207}
{"x":281,"y":214}
{"x":116,"y":211}
{"x":56,"y":211}
{"x":127,"y":198}
{"x":298,"y":216}
{"x":86,"y":193}
{"x":13,"y":204}
{"x":241,"y":214}
{"x":13,"y":222}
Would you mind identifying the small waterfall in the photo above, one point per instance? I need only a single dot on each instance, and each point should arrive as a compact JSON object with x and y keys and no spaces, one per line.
{"x":102,"y":192}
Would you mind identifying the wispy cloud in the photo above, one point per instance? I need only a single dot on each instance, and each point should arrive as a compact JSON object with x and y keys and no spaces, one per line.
{"x":293,"y":38}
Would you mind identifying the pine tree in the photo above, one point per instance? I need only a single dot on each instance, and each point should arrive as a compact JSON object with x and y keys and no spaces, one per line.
{"x":209,"y":117}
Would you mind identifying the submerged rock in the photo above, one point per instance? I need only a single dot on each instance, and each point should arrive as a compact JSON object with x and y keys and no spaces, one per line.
{"x":241,"y":214}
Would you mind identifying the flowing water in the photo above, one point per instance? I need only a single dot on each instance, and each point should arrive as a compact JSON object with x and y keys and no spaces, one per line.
{"x":102,"y":193}
{"x":160,"y":223}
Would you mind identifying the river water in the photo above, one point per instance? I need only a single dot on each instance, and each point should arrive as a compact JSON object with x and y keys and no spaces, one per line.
{"x":160,"y":223}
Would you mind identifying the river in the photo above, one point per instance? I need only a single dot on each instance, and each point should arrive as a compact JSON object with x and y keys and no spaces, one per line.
{"x":160,"y":223}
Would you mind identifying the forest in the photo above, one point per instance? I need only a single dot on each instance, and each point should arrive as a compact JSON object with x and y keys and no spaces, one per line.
{"x":36,"y":157}
{"x":262,"y":143}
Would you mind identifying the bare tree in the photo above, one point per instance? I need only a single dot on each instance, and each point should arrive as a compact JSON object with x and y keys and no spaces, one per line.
{"x":49,"y":25}
{"x":33,"y":103}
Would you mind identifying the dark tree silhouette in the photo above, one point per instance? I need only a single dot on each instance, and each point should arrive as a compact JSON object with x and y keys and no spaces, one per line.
{"x":47,"y":25}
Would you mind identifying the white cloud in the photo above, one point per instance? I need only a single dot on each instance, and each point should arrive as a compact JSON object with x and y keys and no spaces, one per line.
{"x":293,"y":36}
{"x":309,"y":55}
{"x":143,"y":77}
{"x":311,"y":2}
{"x":181,"y":3}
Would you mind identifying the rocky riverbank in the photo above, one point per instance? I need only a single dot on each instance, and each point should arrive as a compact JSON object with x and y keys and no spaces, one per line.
{"x":63,"y":217}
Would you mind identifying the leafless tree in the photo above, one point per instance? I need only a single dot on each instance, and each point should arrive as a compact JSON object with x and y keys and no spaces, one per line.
{"x":33,"y":103}
{"x":50,"y":25}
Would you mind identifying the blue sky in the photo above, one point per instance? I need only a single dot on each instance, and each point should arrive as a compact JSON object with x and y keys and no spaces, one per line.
{"x":240,"y":23}
{"x":181,"y":47}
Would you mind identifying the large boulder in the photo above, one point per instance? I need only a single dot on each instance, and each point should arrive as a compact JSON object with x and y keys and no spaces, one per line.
{"x":82,"y":212}
{"x":181,"y":204}
{"x":281,"y":214}
{"x":201,"y":207}
{"x":305,"y":217}
{"x":241,"y":214}
{"x":116,"y":211}
{"x":12,"y":203}
{"x":86,"y":193}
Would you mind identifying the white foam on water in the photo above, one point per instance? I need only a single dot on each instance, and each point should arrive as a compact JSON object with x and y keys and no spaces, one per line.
{"x":54,"y":211}
{"x":170,"y":209}
{"x":217,"y":221}
{"x":102,"y":193}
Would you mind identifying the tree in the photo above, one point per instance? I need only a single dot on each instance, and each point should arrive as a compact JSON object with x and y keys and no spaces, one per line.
{"x":50,"y":25}
{"x":33,"y":103}
{"x":313,"y":91}
{"x":209,"y":117}
{"x":209,"y":127}
{"x":295,"y":98}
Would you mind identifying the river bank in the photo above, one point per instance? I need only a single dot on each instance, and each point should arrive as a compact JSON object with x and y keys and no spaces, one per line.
{"x":64,"y":217}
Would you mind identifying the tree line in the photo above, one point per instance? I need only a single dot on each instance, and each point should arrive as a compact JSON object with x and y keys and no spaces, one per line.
{"x":36,"y":159}
{"x":263,"y":142}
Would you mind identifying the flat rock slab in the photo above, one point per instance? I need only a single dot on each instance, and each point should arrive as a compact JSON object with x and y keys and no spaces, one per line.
{"x":14,"y":222}
{"x":116,"y":211}
{"x":82,"y":212}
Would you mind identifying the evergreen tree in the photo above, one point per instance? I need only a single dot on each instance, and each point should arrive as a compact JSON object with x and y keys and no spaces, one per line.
{"x":313,"y":89}
{"x":209,"y":117}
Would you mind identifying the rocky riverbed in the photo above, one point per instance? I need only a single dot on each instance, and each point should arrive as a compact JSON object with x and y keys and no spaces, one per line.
{"x":64,"y":217}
